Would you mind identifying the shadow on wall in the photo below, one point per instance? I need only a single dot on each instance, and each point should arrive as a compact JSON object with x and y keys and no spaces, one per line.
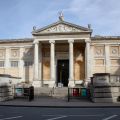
{"x":115,"y":72}
{"x":79,"y":60}
{"x":28,"y":59}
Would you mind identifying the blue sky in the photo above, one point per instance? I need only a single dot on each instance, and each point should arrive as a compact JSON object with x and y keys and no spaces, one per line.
{"x":17,"y":17}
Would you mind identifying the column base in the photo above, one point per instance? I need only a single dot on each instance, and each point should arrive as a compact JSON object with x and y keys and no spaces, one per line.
{"x":87,"y":82}
{"x":37,"y":83}
{"x":71,"y":83}
{"x":52,"y":84}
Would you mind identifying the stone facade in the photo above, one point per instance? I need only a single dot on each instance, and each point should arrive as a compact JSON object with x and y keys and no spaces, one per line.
{"x":35,"y":60}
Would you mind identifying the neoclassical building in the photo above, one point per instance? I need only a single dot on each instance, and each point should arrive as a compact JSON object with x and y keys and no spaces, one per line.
{"x":61,"y":53}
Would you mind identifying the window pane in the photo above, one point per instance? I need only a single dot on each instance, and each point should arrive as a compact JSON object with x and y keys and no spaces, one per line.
{"x":1,"y":63}
{"x":28,"y":63}
{"x":14,"y":63}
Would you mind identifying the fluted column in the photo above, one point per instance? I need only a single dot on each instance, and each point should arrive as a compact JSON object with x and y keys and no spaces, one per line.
{"x":36,"y":81}
{"x":71,"y":64}
{"x":36,"y":63}
{"x":52,"y":63}
{"x":40,"y":64}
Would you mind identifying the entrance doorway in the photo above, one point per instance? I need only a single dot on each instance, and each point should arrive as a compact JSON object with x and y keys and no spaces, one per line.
{"x":63,"y":72}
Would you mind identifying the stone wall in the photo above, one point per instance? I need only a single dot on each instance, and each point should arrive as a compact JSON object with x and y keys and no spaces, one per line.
{"x":106,"y":57}
{"x":16,"y":59}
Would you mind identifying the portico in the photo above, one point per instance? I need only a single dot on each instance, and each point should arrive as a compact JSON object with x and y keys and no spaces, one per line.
{"x":55,"y":56}
{"x":61,"y":41}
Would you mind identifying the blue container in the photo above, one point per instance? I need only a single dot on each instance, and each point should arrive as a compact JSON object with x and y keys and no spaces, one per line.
{"x":19,"y":91}
{"x":84,"y":92}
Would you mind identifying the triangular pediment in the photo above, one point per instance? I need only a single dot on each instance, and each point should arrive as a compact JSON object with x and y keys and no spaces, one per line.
{"x":61,"y":27}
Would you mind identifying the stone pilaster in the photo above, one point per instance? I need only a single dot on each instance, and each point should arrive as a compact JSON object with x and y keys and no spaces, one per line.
{"x":21,"y":66}
{"x":52,"y":63}
{"x":71,"y":64}
{"x":87,"y":61}
{"x":7,"y":58}
{"x":92,"y":60}
{"x":107,"y":58}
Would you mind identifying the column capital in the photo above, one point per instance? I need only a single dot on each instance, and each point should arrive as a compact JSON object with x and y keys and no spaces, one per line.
{"x":52,"y":41}
{"x":87,"y":40}
{"x":71,"y":40}
{"x":35,"y":42}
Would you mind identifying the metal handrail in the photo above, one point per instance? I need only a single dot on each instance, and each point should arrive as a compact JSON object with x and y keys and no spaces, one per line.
{"x":52,"y":90}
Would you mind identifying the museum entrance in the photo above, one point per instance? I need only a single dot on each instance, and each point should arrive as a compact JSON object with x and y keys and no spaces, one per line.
{"x":62,"y":72}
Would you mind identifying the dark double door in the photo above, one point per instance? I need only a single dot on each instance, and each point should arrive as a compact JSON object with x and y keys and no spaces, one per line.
{"x":63,"y":72}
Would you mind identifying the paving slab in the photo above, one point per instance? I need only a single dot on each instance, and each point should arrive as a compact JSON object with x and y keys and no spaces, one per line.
{"x":56,"y":102}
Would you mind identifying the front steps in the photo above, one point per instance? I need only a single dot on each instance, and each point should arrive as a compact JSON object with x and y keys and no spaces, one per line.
{"x":55,"y":92}
{"x":42,"y":91}
{"x":60,"y":92}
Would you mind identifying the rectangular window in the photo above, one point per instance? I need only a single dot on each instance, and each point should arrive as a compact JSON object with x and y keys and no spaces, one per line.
{"x":28,"y":63}
{"x":2,"y":63}
{"x":14,"y":63}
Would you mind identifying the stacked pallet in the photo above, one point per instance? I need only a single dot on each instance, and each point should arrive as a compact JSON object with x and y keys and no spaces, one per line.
{"x":6,"y":92}
{"x":102,"y":90}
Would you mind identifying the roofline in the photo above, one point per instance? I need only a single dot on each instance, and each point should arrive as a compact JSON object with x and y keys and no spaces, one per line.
{"x":64,"y":22}
{"x":62,"y":33}
{"x":16,"y":40}
{"x":105,"y":37}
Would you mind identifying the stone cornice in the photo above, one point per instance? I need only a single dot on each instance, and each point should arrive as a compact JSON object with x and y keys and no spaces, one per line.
{"x":16,"y":40}
{"x":105,"y":38}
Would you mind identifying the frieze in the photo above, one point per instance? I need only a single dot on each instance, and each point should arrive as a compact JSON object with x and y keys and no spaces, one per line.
{"x":114,"y":50}
{"x":14,"y":53}
{"x":61,"y":28}
{"x":99,"y":51}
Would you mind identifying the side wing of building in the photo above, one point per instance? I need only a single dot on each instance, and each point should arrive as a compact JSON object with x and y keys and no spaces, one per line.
{"x":16,"y":59}
{"x":105,"y":55}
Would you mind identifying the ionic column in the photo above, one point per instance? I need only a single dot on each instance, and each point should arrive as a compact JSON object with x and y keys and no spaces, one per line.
{"x":87,"y":61}
{"x":71,"y":64}
{"x":36,"y":81}
{"x":52,"y":63}
{"x":40,"y":63}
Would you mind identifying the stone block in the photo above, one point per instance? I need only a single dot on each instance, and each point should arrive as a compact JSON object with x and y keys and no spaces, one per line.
{"x":105,"y":100}
{"x":107,"y":89}
{"x":101,"y":78}
{"x":106,"y":95}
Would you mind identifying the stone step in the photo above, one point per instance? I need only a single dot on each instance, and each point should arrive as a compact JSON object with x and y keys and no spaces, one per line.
{"x":105,"y":100}
{"x":54,"y":92}
{"x":60,"y":92}
{"x":43,"y":91}
{"x":116,"y":94}
{"x":112,"y":89}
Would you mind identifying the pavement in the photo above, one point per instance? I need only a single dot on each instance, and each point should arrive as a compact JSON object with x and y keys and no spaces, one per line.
{"x":57,"y":102}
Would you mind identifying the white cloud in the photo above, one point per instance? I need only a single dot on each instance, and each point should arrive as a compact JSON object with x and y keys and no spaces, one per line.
{"x":104,"y":15}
